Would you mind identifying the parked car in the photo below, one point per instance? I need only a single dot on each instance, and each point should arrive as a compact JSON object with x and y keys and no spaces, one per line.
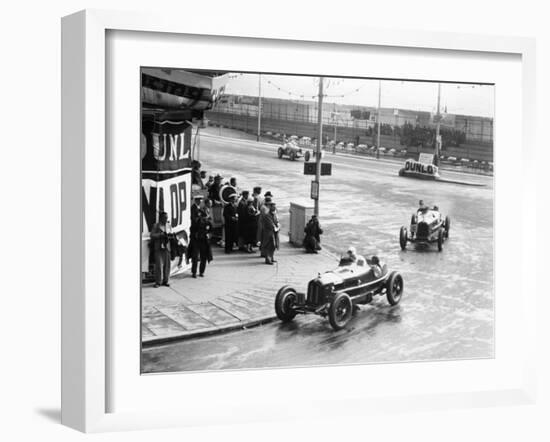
{"x":337,"y":293}
{"x":427,"y":227}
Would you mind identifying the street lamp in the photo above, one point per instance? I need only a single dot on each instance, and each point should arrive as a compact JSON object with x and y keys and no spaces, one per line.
{"x":319,"y":140}
{"x":259,"y":105}
{"x":378,"y":118}
{"x":437,"y":127}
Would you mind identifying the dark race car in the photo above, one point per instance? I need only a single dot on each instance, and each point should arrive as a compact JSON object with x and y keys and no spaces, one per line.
{"x":427,"y":227}
{"x":337,"y":293}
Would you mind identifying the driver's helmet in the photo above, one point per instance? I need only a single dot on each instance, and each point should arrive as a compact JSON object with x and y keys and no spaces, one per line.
{"x":375,"y":260}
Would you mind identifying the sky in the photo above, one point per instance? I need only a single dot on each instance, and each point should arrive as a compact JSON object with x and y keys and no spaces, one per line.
{"x":458,"y":98}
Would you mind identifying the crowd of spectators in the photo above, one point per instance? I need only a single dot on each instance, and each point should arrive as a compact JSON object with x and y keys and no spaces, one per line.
{"x":413,"y":135}
{"x":250,"y":220}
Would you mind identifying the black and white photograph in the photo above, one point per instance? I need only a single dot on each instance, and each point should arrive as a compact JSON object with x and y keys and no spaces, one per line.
{"x":305,"y":220}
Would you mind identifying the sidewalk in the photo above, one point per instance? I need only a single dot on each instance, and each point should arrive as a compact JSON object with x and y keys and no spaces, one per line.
{"x":238,"y":291}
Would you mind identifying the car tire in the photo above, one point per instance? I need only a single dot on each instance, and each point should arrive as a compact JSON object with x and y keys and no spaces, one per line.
{"x":394,"y":288}
{"x":413,"y":219}
{"x":403,"y":238}
{"x":307,"y":155}
{"x":447,"y":226}
{"x":340,"y":311}
{"x":284,"y":301}
{"x":280,"y":152}
{"x":440,"y":240}
{"x":292,"y":155}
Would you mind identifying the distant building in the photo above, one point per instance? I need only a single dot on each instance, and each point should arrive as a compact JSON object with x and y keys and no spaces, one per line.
{"x":476,"y":129}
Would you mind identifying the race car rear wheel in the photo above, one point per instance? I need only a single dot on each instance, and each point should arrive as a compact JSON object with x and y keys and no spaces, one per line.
{"x":307,"y":155}
{"x":403,"y":238}
{"x":394,"y":288}
{"x":284,"y":302}
{"x":280,"y":152}
{"x":447,"y":226}
{"x":440,"y":240}
{"x":340,"y":311}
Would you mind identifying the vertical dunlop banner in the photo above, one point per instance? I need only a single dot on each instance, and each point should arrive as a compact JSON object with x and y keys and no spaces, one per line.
{"x":165,"y":179}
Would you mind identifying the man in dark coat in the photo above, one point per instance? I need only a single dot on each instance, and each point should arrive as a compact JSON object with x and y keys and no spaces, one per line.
{"x":199,"y":245}
{"x":214,"y":189}
{"x":195,"y":208}
{"x":313,"y":231}
{"x":160,"y":236}
{"x":270,"y":233}
{"x":250,"y":225}
{"x":242,"y":210}
{"x":230,"y":218}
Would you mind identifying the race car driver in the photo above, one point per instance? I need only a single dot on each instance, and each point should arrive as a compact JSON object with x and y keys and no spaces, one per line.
{"x":354,"y":257}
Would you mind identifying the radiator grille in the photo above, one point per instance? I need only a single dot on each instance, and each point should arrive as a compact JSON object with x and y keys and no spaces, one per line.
{"x":422,"y":230}
{"x":314,"y":293}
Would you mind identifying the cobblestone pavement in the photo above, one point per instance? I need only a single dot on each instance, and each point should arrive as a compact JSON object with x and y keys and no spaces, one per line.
{"x":238,"y":291}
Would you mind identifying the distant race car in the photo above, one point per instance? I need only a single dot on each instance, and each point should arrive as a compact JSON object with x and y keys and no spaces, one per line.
{"x":337,"y":293}
{"x":427,"y":227}
{"x":290,"y":149}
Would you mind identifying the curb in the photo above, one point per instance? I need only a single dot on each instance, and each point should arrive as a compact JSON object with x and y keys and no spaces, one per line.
{"x":204,"y":332}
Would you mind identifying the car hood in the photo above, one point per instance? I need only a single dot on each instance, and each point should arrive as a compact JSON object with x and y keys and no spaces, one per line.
{"x":342,"y":273}
{"x":430,"y":216}
{"x":330,"y":278}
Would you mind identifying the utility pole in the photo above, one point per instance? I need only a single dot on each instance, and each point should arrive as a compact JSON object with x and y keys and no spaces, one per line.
{"x":334,"y":117}
{"x":438,"y":122}
{"x":259,"y":106}
{"x":319,"y":140}
{"x":378,"y":118}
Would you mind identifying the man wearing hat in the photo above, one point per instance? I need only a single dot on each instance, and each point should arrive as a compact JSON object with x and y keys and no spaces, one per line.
{"x":195,"y":207}
{"x":243,"y":224}
{"x":199,"y":245}
{"x":230,"y":218}
{"x":270,"y":232}
{"x":161,"y":249}
{"x":214,"y":189}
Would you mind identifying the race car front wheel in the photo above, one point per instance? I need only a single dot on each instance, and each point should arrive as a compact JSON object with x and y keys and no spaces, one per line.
{"x":447,"y":226}
{"x":340,"y":311}
{"x":307,"y":155}
{"x":440,"y":240}
{"x":403,"y":238}
{"x":394,"y":288}
{"x":284,"y":302}
{"x":280,"y":152}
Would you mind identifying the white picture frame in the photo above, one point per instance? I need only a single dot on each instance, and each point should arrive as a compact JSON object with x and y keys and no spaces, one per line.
{"x":86,"y":311}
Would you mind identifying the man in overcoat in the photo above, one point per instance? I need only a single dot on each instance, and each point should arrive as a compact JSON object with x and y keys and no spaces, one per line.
{"x":160,"y":236}
{"x":270,"y":233}
{"x":199,"y":245}
{"x":230,"y":218}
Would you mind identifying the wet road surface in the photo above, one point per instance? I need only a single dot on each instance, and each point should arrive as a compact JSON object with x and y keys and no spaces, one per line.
{"x":447,"y":307}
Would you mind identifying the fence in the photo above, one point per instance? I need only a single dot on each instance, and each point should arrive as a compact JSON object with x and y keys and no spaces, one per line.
{"x":354,"y":133}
